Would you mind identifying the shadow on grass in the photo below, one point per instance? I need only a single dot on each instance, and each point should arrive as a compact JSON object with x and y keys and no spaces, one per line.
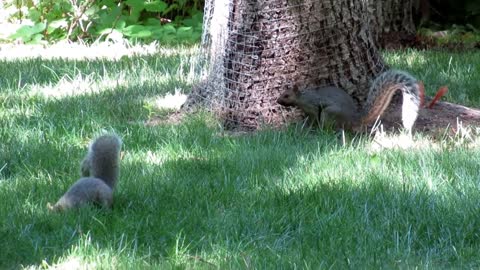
{"x":22,"y":157}
{"x":228,"y":201}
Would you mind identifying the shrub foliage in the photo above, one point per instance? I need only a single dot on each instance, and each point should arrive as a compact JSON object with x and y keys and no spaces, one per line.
{"x":90,"y":20}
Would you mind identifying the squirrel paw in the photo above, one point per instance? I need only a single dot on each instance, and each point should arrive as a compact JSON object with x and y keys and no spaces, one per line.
{"x":50,"y":207}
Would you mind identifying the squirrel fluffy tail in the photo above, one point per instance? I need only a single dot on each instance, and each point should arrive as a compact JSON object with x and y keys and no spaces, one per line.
{"x":382,"y":90}
{"x":103,"y":159}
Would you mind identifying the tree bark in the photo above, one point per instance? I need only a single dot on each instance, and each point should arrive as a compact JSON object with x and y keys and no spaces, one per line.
{"x":391,"y":22}
{"x":268,"y":46}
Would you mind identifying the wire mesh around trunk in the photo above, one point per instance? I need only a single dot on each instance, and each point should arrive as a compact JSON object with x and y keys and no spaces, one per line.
{"x":254,"y":50}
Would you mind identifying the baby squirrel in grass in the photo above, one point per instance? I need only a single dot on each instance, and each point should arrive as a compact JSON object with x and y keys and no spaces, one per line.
{"x":335,"y":104}
{"x":100,"y":171}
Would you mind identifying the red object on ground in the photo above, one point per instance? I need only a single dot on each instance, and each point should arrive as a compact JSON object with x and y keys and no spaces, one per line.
{"x":440,"y":93}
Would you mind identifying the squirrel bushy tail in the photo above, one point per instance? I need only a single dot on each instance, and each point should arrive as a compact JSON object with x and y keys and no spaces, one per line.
{"x":381,"y":92}
{"x":103,"y":159}
{"x":100,"y":171}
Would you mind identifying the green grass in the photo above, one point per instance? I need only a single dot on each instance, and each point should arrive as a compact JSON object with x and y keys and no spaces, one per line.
{"x":192,"y":197}
{"x":458,"y":71}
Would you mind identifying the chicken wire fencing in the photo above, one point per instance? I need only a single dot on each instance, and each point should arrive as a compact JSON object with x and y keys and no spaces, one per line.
{"x":255,"y":50}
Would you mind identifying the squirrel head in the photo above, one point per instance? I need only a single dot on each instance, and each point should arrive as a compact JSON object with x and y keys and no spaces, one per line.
{"x":289,"y":97}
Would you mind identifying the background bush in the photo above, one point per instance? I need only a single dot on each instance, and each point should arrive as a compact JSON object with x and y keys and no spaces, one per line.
{"x":176,"y":21}
{"x":90,"y":20}
{"x":445,"y":13}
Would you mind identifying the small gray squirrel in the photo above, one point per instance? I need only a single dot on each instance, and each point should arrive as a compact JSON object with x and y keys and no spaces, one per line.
{"x":337,"y":105}
{"x":100,"y":170}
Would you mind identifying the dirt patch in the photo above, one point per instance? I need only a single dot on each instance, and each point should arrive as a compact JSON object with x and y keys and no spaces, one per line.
{"x":441,"y":118}
{"x":173,"y":118}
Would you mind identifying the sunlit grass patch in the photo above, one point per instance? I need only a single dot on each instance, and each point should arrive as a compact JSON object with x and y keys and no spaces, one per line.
{"x":78,"y":51}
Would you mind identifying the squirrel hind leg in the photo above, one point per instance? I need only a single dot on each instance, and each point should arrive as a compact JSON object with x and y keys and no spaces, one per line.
{"x":105,"y":201}
{"x":85,"y":167}
{"x":104,"y":196}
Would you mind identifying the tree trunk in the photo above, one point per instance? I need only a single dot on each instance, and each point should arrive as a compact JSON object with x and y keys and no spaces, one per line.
{"x":391,"y":22}
{"x":258,"y":49}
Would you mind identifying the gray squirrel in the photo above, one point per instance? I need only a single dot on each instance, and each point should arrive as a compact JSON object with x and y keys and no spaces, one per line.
{"x":335,"y":104}
{"x":100,"y":170}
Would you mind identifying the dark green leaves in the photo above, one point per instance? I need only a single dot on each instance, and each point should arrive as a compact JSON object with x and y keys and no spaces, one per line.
{"x":179,"y":21}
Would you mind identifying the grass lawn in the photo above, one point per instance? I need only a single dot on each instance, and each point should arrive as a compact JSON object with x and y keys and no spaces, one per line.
{"x":191,"y":196}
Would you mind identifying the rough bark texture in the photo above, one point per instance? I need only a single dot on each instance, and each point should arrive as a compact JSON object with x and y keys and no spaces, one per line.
{"x":391,"y":22}
{"x":272,"y":45}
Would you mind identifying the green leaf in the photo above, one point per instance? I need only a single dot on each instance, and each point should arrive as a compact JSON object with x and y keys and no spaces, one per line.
{"x":137,"y":31}
{"x":91,"y":11}
{"x":195,"y":20}
{"x":184,"y":32}
{"x":58,"y":23}
{"x":26,"y":32}
{"x":156,"y":6}
{"x":198,"y":17}
{"x":107,"y":3}
{"x":22,"y":32}
{"x":142,"y":34}
{"x":39,"y":27}
{"x":136,"y":4}
{"x":169,"y":29}
{"x":34,"y":14}
{"x":120,"y":24}
{"x":36,"y":39}
{"x":108,"y":17}
{"x":153,"y":22}
{"x":166,"y":33}
{"x":196,"y":36}
{"x":134,"y":15}
{"x":157,"y":33}
{"x":132,"y":29}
